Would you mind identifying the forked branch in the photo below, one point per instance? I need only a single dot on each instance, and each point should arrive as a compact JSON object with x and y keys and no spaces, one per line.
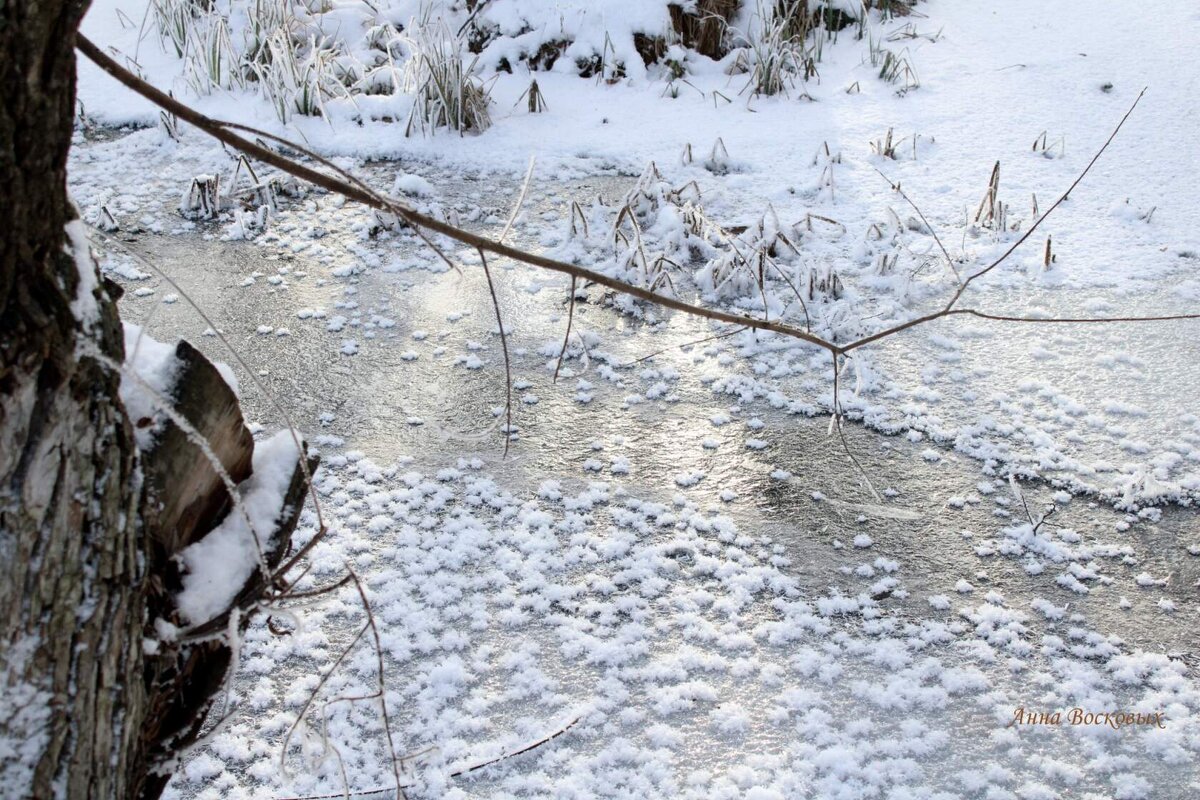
{"x":354,"y":189}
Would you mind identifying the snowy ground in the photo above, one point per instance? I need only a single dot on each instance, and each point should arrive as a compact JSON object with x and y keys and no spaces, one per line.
{"x":676,"y":551}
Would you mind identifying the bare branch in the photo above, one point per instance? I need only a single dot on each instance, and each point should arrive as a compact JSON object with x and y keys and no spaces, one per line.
{"x":222,"y":132}
{"x":356,"y":190}
{"x":504,"y":345}
{"x":1049,"y":210}
{"x":933,"y":231}
{"x":567,"y":335}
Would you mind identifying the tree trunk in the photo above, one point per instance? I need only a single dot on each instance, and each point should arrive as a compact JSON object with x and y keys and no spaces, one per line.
{"x":89,"y":527}
{"x":71,"y":604}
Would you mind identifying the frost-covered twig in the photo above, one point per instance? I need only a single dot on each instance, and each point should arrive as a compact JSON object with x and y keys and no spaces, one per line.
{"x":1016,"y":490}
{"x":287,"y":737}
{"x":387,"y":727}
{"x":512,"y":218}
{"x":519,"y":751}
{"x":380,"y":692}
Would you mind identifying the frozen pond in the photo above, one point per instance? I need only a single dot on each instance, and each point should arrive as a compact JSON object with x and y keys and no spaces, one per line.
{"x":705,"y":577}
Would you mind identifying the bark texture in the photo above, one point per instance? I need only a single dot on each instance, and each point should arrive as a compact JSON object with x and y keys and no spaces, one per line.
{"x":70,"y":615}
{"x":87,"y":548}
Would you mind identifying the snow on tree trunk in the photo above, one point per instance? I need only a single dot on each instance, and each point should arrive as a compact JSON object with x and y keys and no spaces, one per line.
{"x":71,"y":610}
{"x":91,"y":516}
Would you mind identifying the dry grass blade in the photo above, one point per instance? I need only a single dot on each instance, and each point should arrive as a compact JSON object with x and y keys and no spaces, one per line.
{"x":448,"y":93}
{"x":986,"y":213}
{"x":535,"y":99}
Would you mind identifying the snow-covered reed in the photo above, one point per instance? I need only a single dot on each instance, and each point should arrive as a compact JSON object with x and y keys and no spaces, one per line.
{"x":209,"y":59}
{"x":777,"y":46}
{"x":895,"y":68}
{"x":294,"y":65}
{"x":447,"y":90}
{"x":297,"y":80}
{"x":320,"y":59}
{"x":785,"y":40}
{"x":174,"y":20}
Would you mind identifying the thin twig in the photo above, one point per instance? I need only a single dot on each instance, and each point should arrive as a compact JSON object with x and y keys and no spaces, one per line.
{"x":311,"y":593}
{"x":838,"y":416}
{"x":567,"y":335}
{"x":504,"y":345}
{"x":478,"y":7}
{"x":1049,"y":210}
{"x":724,"y":335}
{"x":287,"y":737}
{"x":857,"y":464}
{"x":459,"y":771}
{"x":1004,"y":256}
{"x":522,"y":751}
{"x":933,"y":231}
{"x":1058,"y":320}
{"x":387,"y":727}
